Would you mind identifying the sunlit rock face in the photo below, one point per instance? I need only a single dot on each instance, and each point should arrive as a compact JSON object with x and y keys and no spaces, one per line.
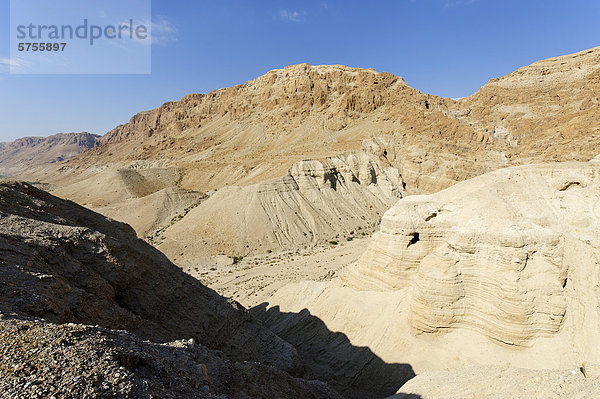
{"x":316,"y":202}
{"x":503,"y":253}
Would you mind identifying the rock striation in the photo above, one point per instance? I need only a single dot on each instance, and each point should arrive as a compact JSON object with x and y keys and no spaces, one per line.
{"x":494,"y":253}
{"x":318,"y":201}
{"x":499,"y":269}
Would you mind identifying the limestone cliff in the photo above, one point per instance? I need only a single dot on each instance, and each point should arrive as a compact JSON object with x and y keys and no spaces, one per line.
{"x":318,"y":201}
{"x":502,"y":268}
{"x":494,"y":253}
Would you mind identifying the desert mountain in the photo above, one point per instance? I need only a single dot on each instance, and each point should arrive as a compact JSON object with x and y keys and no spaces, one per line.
{"x":17,"y":156}
{"x":547,"y":111}
{"x":257,"y":131}
{"x":157,"y":171}
{"x":500,"y":269}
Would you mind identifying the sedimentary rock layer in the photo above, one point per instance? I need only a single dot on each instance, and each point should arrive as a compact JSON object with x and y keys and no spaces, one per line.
{"x":492,"y":253}
{"x":499,"y":269}
{"x":318,"y":201}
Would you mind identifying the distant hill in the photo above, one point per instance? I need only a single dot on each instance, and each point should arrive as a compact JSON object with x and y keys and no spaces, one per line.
{"x":16,"y":156}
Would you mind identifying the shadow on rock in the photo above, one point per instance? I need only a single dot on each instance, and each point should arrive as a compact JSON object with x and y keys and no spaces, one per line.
{"x":356,"y":372}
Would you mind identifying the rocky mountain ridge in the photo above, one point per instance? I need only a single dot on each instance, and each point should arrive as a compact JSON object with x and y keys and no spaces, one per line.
{"x":543,"y":112}
{"x":17,"y":156}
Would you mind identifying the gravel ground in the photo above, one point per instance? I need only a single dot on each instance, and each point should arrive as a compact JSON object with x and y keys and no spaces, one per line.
{"x":45,"y":360}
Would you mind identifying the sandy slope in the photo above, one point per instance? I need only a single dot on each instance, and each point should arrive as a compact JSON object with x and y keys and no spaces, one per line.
{"x":254,"y":279}
{"x":317,"y":202}
{"x":502,"y":383}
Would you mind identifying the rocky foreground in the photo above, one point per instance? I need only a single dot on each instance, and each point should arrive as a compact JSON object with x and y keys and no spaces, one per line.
{"x":65,"y":264}
{"x":46,"y":360}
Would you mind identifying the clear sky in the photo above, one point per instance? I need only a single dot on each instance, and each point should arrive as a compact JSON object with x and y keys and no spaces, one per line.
{"x":443,"y":47}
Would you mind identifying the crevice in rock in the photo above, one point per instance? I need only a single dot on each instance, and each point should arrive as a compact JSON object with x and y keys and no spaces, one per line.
{"x":570,"y":185}
{"x":428,"y":218}
{"x":413,"y":240}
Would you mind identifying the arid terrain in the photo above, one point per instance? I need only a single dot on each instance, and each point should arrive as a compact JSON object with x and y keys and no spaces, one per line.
{"x":319,"y":231}
{"x":21,"y":154}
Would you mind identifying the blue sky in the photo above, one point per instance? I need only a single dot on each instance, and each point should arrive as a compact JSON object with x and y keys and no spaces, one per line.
{"x":443,"y":47}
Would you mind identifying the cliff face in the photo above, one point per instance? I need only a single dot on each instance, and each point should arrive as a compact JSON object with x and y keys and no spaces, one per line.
{"x":497,"y":253}
{"x":499,"y":269}
{"x":547,"y":111}
{"x":20,"y":154}
{"x":256,"y":131}
{"x":318,"y":201}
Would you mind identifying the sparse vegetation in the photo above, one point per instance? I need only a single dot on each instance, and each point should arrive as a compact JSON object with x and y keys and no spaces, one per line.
{"x":180,"y":178}
{"x":333,"y":242}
